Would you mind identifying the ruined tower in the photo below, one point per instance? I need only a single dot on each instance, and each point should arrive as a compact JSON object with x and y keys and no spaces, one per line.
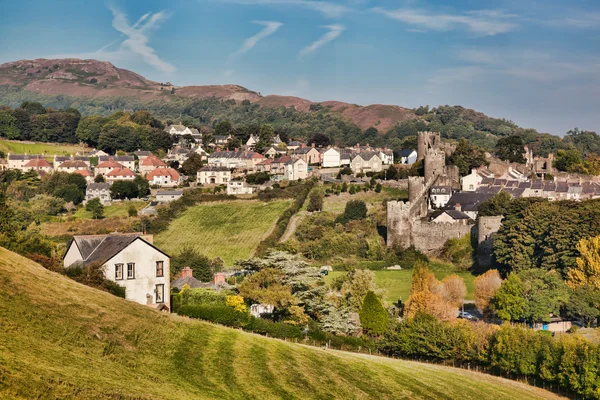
{"x":425,"y":141}
{"x":435,"y":163}
{"x":486,"y":227}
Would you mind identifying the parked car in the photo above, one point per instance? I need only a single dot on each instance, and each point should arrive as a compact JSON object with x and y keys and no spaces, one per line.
{"x":465,"y":315}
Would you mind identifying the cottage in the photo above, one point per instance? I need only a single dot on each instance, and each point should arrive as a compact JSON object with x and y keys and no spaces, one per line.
{"x":180,"y":130}
{"x":18,"y":161}
{"x":331,"y":158}
{"x":210,"y":175}
{"x":252,"y":140}
{"x":71,"y":166}
{"x":439,"y":196}
{"x":150,"y":163}
{"x":309,"y":154}
{"x":239,"y":187}
{"x":98,"y":190}
{"x":227,"y":159}
{"x":123,"y":174}
{"x":129,"y":260}
{"x":452,"y":217}
{"x":471,"y":182}
{"x":278,"y":165}
{"x":366,"y":162}
{"x":142,"y":154}
{"x":3,"y":164}
{"x":293,"y":145}
{"x":467,"y":202}
{"x":407,"y":156}
{"x":386,"y":156}
{"x":107,"y":166}
{"x":89,"y":177}
{"x":165,"y":177}
{"x":264,"y":166}
{"x":39,"y":165}
{"x":126,"y":161}
{"x":221,"y":140}
{"x":166,"y":196}
{"x":58,"y":160}
{"x":296,"y":169}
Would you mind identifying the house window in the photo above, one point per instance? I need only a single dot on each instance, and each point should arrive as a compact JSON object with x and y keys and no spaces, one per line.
{"x":118,"y":272}
{"x":130,"y":270}
{"x":160,"y":269}
{"x":160,"y":293}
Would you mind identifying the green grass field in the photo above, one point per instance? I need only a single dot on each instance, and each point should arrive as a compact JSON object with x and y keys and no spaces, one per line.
{"x":62,"y":340}
{"x":397,"y":283}
{"x":116,"y":209}
{"x":336,"y":204}
{"x":229,"y":230}
{"x":50,"y":149}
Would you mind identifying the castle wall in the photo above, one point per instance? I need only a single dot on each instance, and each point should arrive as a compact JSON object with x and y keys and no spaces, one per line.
{"x":486,"y":228}
{"x":435,"y":163}
{"x":399,"y":223}
{"x":429,"y":238}
{"x":425,"y":141}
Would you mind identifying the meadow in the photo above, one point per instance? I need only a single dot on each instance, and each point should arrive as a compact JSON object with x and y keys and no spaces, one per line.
{"x":61,"y":339}
{"x":116,"y":209}
{"x":49,"y":149}
{"x":230,"y":230}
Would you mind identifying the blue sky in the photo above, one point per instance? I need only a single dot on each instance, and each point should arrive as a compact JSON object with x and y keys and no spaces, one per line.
{"x":535,"y":62}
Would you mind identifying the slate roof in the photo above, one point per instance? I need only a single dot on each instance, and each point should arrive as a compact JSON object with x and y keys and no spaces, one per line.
{"x":98,"y":186}
{"x":24,"y":156}
{"x":73,"y":164}
{"x":192,"y":282}
{"x":440,"y":190}
{"x":455,"y":214}
{"x":367,"y":155}
{"x":213,"y":168}
{"x":116,"y":158}
{"x":169,"y":193}
{"x":469,"y":201}
{"x":405,"y":152}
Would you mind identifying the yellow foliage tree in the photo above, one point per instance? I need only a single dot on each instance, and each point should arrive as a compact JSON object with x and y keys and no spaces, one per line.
{"x":297,"y":316}
{"x":486,"y":286}
{"x":454,"y":290}
{"x":236,"y":302}
{"x":587,"y":270}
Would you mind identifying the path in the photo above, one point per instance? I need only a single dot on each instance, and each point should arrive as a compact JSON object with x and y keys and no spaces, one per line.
{"x":291,"y":228}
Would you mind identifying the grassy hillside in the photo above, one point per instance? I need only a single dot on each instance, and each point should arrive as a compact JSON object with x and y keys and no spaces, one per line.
{"x":116,"y":209}
{"x":230,"y":230}
{"x":60,"y":339}
{"x":38,"y":148}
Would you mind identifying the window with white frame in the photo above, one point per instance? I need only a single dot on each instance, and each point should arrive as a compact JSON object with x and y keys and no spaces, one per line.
{"x":118,"y":272}
{"x":130,"y":270}
{"x":160,"y":293}
{"x":160,"y":271}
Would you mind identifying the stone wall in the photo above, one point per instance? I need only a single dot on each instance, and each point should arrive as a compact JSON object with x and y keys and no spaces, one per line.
{"x":426,"y":141}
{"x":429,"y":237}
{"x":435,"y":164}
{"x":486,"y":228}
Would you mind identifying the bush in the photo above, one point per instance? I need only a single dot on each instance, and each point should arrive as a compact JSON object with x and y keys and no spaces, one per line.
{"x":217,"y":313}
{"x":279,"y":330}
{"x":315,"y":202}
{"x":200,"y":296}
{"x":373,"y":316}
{"x":355,"y":210}
{"x":132,"y":211}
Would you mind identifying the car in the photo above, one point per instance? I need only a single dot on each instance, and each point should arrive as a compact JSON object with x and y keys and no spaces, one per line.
{"x":465,"y":315}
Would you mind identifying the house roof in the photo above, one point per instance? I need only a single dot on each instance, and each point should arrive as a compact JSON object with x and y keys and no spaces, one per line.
{"x":120,"y":172}
{"x":405,"y":152}
{"x":281,"y":160}
{"x":24,"y":156}
{"x":303,"y":150}
{"x":440,"y":190}
{"x":192,"y":282}
{"x":83,"y":172}
{"x":170,"y":172}
{"x":169,"y":193}
{"x":455,"y":214}
{"x":117,"y":158}
{"x":210,"y":168}
{"x":73,"y":164}
{"x":366,"y":155}
{"x":38,"y":162}
{"x":110,"y":163}
{"x":143,"y":153}
{"x":98,"y":186}
{"x":98,"y":249}
{"x":152,"y":161}
{"x":469,"y":201}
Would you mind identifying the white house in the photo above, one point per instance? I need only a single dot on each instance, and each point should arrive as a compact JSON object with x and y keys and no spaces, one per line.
{"x":439,"y":196}
{"x":128,"y":259}
{"x":366,"y":162}
{"x":165,"y":177}
{"x":150,"y":163}
{"x":296,"y":169}
{"x":239,"y":187}
{"x":166,"y":196}
{"x":71,"y":166}
{"x":386,"y":156}
{"x":18,"y":161}
{"x":178,"y":129}
{"x":98,"y":190}
{"x":252,"y":140}
{"x":126,"y":161}
{"x":471,"y":182}
{"x":407,"y":156}
{"x":213,"y":175}
{"x":452,"y":217}
{"x":39,"y":165}
{"x":331,"y":158}
{"x":107,"y":166}
{"x":123,"y":174}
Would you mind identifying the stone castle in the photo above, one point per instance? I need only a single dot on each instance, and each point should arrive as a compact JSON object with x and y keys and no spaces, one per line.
{"x":405,"y":224}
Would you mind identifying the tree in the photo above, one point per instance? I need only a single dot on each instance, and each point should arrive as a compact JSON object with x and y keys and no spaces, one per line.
{"x":378,"y":188}
{"x":132,"y":211}
{"x":43,"y":204}
{"x":356,"y":286}
{"x":202,"y":267}
{"x":355,"y":210}
{"x":454,"y":290}
{"x":584,"y":303}
{"x":95,"y":207}
{"x":265,"y":287}
{"x":486,"y":286}
{"x":508,"y":302}
{"x":99,"y":179}
{"x":191,"y":166}
{"x":319,"y":140}
{"x":8,"y":127}
{"x":315,"y":202}
{"x":236,"y":302}
{"x":511,"y":149}
{"x":69,"y":193}
{"x":89,"y":128}
{"x":123,"y":190}
{"x":545,"y":293}
{"x":373,"y":316}
{"x":265,"y":138}
{"x":587,"y":268}
{"x":498,"y":204}
{"x":142,"y":185}
{"x":223,"y":128}
{"x":33,"y":107}
{"x":467,"y":156}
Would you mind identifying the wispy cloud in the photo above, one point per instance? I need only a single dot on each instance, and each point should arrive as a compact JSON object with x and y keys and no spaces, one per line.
{"x":329,"y":9}
{"x":480,"y":22}
{"x":270,"y":27}
{"x":334,"y":32}
{"x":137,"y":36}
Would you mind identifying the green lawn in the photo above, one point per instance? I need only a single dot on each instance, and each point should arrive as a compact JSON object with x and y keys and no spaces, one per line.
{"x":397,"y":283}
{"x":63,"y":340}
{"x":50,"y":149}
{"x":117,"y":209}
{"x":229,"y":230}
{"x":336,"y":204}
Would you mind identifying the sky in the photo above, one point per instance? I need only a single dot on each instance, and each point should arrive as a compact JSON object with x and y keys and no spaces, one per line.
{"x":535,"y":62}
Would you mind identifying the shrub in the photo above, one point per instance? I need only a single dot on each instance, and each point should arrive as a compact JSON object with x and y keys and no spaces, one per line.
{"x":204,"y":296}
{"x":315,"y":202}
{"x":373,"y":316}
{"x":217,"y":313}
{"x":355,"y":210}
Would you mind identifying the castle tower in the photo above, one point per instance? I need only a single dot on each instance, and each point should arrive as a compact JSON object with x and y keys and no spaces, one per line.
{"x":425,"y":141}
{"x":435,"y":163}
{"x":398,"y":224}
{"x":416,"y":184}
{"x":486,"y":227}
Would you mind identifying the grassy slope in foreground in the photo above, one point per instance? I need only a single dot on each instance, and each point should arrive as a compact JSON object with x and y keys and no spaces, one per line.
{"x":229,"y":229}
{"x":60,"y":339}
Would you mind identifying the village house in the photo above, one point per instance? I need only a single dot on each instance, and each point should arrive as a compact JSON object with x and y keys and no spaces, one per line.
{"x":250,"y":160}
{"x":142,"y":154}
{"x":130,"y":260}
{"x":264,"y":166}
{"x":331,"y":158}
{"x":107,"y":166}
{"x":309,"y":154}
{"x":386,"y":156}
{"x":200,"y":151}
{"x":3,"y":164}
{"x":18,"y":161}
{"x":166,"y":196}
{"x":122,"y":174}
{"x":467,"y":202}
{"x":181,"y":130}
{"x":296,"y":169}
{"x":366,"y":162}
{"x":239,"y":187}
{"x":439,"y":196}
{"x":71,"y":166}
{"x":99,"y":190}
{"x":39,"y":165}
{"x":294,"y":145}
{"x":150,"y":163}
{"x":89,"y":177}
{"x":58,"y":160}
{"x":179,"y":154}
{"x":227,"y":159}
{"x":278,"y":165}
{"x":221,"y":141}
{"x":471,"y":182}
{"x":452,"y":217}
{"x":407,"y":156}
{"x":252,"y":140}
{"x":164,"y":177}
{"x":211,"y":175}
{"x":126,"y":161}
{"x":98,"y":153}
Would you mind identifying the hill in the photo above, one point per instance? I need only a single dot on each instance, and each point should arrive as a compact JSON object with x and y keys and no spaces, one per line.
{"x":60,"y":339}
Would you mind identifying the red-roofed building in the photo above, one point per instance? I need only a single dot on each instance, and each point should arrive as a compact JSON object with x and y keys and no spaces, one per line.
{"x":107,"y":166}
{"x":71,"y":166}
{"x":86,"y":174}
{"x":122,"y":174}
{"x":39,"y":165}
{"x":165,"y":177}
{"x":151,"y":163}
{"x":264,"y":166}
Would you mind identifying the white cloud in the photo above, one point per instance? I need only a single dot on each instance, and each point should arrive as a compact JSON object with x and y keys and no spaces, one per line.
{"x":480,"y":23}
{"x":326,"y":8}
{"x":334,"y":32}
{"x":137,"y":37}
{"x":270,"y":27}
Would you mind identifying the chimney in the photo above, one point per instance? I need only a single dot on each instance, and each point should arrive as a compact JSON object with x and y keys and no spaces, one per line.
{"x":186,"y":272}
{"x":218,"y":278}
{"x":457,"y":207}
{"x":313,"y":145}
